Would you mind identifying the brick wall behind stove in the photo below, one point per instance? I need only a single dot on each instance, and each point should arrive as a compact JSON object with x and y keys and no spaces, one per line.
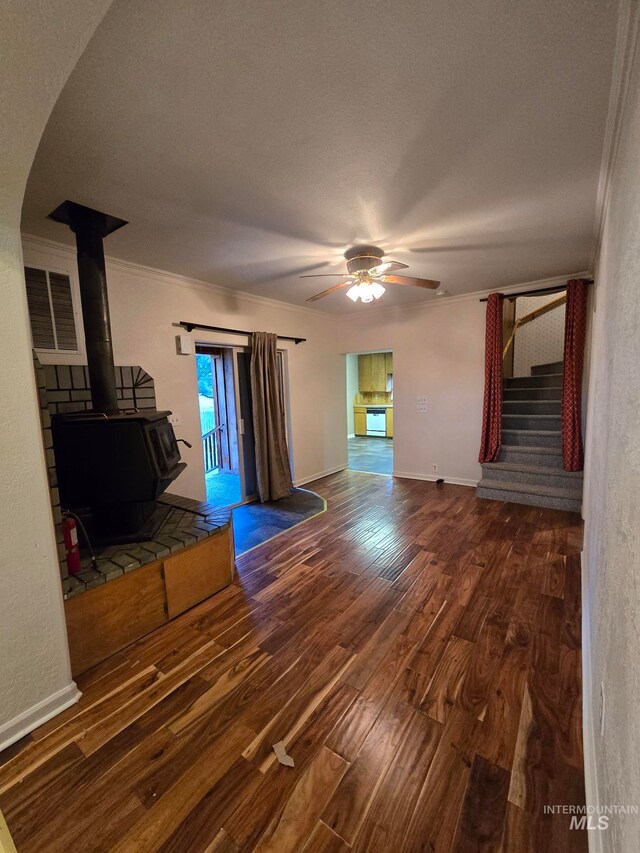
{"x":65,"y":388}
{"x":68,"y":388}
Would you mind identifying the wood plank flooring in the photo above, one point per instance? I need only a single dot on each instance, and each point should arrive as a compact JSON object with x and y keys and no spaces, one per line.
{"x":416,"y":648}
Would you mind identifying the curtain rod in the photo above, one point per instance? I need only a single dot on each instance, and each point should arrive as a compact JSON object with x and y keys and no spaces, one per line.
{"x":191,"y":326}
{"x":555,"y":289}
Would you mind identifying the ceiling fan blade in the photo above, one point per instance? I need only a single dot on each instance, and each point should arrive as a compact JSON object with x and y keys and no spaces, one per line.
{"x":387,"y":267}
{"x":328,"y":275}
{"x":330,"y":290}
{"x":414,"y":282}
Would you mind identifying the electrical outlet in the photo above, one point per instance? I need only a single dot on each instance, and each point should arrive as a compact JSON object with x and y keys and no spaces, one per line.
{"x":174,"y":420}
{"x":435,"y":467}
{"x":421,"y":400}
{"x":421,"y":408}
{"x":602,"y":707}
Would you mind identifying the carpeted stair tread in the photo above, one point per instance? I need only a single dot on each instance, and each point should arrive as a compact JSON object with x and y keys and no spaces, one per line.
{"x":532,"y":469}
{"x":549,"y":491}
{"x":546,"y":369}
{"x":534,"y":448}
{"x":542,"y":418}
{"x":544,"y":380}
{"x":534,"y":432}
{"x":495,"y":492}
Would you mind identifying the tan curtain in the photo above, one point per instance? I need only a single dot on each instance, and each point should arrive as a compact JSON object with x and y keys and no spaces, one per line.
{"x":272,"y":458}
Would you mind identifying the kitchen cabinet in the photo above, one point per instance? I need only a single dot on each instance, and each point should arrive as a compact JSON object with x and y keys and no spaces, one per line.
{"x":390,"y":422}
{"x":378,"y":371}
{"x":389,"y":361}
{"x":364,"y":373}
{"x":372,"y":372}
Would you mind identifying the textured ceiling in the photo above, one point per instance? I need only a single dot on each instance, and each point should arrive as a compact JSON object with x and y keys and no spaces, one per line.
{"x":247,"y":142}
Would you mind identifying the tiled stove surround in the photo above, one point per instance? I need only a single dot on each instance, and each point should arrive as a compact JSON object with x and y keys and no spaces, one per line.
{"x":65,"y":388}
{"x":68,"y":389}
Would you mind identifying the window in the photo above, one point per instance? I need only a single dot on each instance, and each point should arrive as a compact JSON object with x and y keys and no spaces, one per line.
{"x":50,"y":300}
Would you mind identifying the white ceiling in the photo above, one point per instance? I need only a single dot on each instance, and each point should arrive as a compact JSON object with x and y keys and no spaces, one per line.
{"x":247,"y":142}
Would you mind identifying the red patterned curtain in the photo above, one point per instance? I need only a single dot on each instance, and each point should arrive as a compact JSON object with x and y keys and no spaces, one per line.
{"x":575,"y":324}
{"x":492,"y":407}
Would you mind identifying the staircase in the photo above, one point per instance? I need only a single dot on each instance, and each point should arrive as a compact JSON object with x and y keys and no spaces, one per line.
{"x":529,"y":470}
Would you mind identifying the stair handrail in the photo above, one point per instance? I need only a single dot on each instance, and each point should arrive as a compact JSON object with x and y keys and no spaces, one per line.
{"x":532,"y":315}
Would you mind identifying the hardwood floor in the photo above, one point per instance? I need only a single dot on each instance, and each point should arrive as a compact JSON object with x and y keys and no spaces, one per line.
{"x":416,"y":648}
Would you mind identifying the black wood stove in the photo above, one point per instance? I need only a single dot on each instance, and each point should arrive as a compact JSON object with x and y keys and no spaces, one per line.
{"x":112,"y":466}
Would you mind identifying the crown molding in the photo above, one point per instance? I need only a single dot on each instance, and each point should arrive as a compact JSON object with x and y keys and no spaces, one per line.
{"x":626,"y":45}
{"x":63,"y":250}
{"x":29,"y":241}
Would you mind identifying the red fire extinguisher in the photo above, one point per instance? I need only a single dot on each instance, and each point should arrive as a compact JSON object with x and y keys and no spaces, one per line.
{"x":70,"y":531}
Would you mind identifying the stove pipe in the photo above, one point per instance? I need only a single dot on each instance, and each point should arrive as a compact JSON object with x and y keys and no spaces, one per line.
{"x":90,"y":227}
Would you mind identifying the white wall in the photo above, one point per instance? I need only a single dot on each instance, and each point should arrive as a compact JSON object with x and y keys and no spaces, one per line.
{"x":352,"y":389}
{"x":542,"y":340}
{"x":438,"y":351}
{"x":612,"y":500}
{"x":39,"y":49}
{"x":144,"y":306}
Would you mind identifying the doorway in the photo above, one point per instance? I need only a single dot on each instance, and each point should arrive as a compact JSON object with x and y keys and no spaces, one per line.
{"x":219,"y":425}
{"x":370,"y":411}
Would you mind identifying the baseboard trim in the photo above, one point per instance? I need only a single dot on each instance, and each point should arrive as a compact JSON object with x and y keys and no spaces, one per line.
{"x":588,"y":729}
{"x":304,"y":480}
{"x":38,"y":714}
{"x":456,"y":481}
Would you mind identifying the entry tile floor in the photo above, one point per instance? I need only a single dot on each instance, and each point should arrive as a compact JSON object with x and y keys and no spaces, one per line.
{"x":371,"y":454}
{"x":255,"y":523}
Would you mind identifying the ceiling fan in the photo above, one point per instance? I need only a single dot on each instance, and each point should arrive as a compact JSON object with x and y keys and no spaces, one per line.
{"x":367,"y":274}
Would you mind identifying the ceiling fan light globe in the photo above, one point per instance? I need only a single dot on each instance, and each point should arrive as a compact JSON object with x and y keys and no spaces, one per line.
{"x":354,"y":293}
{"x":367,"y":291}
{"x":377,"y":290}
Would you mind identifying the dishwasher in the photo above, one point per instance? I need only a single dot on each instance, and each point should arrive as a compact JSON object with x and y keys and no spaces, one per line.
{"x":376,"y":422}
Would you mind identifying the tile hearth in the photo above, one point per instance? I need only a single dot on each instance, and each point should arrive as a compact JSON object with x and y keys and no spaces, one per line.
{"x":188,"y":522}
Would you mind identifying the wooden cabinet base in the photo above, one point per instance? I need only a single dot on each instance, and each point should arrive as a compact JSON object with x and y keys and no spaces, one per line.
{"x":108,"y":617}
{"x":193,"y":575}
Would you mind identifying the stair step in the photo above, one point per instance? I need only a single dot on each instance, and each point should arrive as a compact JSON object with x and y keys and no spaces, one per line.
{"x":533,"y":495}
{"x":543,"y":369}
{"x":531,"y":407}
{"x":547,"y":457}
{"x":531,"y":438}
{"x":531,"y":393}
{"x":531,"y":475}
{"x":531,"y":422}
{"x":548,"y":380}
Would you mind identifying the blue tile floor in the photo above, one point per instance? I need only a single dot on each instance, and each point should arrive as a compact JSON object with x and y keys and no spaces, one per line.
{"x":371,"y":454}
{"x":255,"y":523}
